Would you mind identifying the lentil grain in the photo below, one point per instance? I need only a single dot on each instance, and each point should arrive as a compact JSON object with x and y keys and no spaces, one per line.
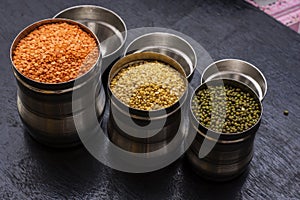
{"x":55,"y":53}
{"x":148,"y":85}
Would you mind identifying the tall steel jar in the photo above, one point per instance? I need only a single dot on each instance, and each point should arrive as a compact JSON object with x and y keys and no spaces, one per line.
{"x":51,"y":113}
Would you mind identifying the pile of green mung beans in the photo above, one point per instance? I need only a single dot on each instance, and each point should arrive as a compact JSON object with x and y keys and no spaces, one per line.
{"x":226,"y":108}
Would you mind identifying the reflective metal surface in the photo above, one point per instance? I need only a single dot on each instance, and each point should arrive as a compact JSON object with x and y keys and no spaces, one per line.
{"x":167,"y":44}
{"x":106,"y":24}
{"x":140,"y":139}
{"x":231,"y":152}
{"x":237,"y":70}
{"x":48,"y":110}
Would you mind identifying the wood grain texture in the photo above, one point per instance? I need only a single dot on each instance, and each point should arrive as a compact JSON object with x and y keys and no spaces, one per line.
{"x":226,"y":29}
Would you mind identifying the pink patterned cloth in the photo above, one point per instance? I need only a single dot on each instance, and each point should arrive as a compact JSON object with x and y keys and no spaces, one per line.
{"x":285,"y":11}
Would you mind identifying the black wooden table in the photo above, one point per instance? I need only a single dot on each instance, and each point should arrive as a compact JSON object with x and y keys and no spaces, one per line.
{"x":226,"y":29}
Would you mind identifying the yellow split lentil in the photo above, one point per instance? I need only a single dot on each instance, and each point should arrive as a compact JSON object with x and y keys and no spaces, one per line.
{"x":148,"y":85}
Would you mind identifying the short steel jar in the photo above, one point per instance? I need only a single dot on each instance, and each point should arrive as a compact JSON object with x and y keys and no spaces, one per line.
{"x":48,"y":110}
{"x":128,"y":127}
{"x":221,"y":156}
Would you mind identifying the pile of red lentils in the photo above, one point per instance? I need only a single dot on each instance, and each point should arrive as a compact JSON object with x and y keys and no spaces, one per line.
{"x":55,"y":53}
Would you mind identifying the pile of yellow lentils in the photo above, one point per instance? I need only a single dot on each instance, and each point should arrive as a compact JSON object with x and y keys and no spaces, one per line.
{"x":148,"y":85}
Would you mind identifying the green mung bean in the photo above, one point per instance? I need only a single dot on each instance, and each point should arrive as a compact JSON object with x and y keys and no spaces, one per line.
{"x":226,"y":109}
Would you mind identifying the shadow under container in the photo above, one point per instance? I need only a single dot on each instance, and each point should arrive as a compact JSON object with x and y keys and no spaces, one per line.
{"x":147,"y":134}
{"x":221,"y":156}
{"x":54,"y":113}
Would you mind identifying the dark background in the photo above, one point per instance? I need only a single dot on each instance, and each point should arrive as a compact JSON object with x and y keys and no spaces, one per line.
{"x":226,"y":29}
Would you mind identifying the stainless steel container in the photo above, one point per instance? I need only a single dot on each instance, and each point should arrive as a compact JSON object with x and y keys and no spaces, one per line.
{"x":107,"y":25}
{"x":167,"y":44}
{"x":48,"y":110}
{"x":221,"y":156}
{"x":139,"y":138}
{"x":238,"y":70}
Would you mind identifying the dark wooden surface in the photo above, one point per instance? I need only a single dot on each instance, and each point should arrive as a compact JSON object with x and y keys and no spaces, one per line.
{"x":226,"y":29}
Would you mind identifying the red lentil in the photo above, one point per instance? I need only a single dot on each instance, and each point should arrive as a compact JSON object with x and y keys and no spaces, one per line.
{"x":55,"y":53}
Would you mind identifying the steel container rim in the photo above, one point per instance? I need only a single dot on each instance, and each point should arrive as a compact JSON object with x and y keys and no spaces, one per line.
{"x":102,"y":8}
{"x":53,"y":88}
{"x":224,"y":137}
{"x":167,"y":34}
{"x":202,"y":80}
{"x":147,"y":56}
